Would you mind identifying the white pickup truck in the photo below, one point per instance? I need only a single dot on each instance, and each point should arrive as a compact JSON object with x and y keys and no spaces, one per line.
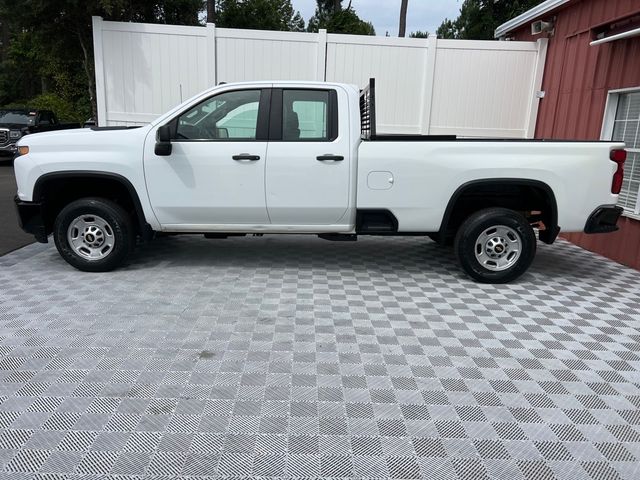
{"x":304,"y":157}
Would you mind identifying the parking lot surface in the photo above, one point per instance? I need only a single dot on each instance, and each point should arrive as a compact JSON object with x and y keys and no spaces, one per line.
{"x":291,"y":356}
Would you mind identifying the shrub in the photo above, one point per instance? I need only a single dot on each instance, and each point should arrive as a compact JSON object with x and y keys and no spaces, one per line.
{"x":65,"y":110}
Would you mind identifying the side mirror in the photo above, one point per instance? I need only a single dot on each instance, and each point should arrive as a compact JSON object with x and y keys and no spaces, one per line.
{"x":163,"y":143}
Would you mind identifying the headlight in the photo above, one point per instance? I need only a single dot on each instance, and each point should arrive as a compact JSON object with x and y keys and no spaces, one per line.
{"x":23,"y":150}
{"x":15,"y":134}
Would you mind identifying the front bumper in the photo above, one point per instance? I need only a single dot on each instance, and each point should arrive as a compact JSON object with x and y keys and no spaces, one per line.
{"x":604,"y":219}
{"x":31,"y":220}
{"x":8,"y":150}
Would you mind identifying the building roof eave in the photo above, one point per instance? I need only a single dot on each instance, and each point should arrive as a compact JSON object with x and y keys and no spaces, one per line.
{"x":528,"y":16}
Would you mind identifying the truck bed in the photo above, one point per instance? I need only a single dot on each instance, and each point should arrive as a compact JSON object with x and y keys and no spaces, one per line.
{"x":411,"y":138}
{"x":400,"y":137}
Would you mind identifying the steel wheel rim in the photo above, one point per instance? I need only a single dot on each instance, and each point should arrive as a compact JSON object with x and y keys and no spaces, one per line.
{"x":91,"y":237}
{"x":498,"y":248}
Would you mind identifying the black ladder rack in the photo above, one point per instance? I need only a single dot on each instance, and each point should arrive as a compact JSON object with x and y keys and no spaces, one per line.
{"x":368,"y":111}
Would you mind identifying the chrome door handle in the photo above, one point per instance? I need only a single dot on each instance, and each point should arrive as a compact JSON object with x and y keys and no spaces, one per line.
{"x":329,"y":156}
{"x":246,"y":156}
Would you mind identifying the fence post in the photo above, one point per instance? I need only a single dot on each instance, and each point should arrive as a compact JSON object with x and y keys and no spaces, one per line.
{"x":98,"y":54}
{"x":427,"y":91}
{"x":321,"y":68}
{"x":536,"y":86}
{"x":211,"y":55}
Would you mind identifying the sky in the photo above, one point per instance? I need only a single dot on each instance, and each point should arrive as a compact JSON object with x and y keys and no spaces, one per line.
{"x":421,"y":14}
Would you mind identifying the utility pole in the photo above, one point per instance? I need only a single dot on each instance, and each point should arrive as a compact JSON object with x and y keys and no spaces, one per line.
{"x":211,"y":11}
{"x":402,"y":29}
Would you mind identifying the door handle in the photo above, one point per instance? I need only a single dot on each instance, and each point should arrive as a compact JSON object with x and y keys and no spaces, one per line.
{"x":246,"y":156}
{"x":329,"y":156}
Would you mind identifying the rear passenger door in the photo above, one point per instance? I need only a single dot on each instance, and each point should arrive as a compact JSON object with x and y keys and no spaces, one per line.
{"x":308,"y":158}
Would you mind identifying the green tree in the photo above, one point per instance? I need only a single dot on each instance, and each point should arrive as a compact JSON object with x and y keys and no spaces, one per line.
{"x":331,"y":16}
{"x":22,"y":57}
{"x":259,"y":15}
{"x":478,"y":19}
{"x":447,"y":29}
{"x":51,"y":43}
{"x":419,"y":34}
{"x":297,"y":23}
{"x":327,"y":7}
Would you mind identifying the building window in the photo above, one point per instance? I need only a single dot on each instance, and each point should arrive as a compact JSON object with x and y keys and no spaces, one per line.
{"x":624,"y":125}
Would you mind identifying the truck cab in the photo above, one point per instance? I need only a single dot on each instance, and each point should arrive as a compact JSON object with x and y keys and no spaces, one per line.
{"x":220,"y":149}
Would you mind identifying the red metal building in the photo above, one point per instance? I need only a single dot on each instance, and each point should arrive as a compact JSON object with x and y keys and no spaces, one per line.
{"x":591,"y":89}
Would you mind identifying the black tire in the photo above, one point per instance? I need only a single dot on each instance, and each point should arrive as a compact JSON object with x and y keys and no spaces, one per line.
{"x":119,"y":227}
{"x":468,"y":242}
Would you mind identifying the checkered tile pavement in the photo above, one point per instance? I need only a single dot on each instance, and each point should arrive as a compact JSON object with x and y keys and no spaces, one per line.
{"x":291,"y":356}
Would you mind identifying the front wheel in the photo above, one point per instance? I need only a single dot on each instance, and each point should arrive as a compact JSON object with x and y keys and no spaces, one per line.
{"x":94,"y":234}
{"x":495,"y":245}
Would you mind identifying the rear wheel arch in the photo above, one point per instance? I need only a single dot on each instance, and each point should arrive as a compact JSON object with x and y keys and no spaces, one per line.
{"x":57,"y":189}
{"x":512,"y":193}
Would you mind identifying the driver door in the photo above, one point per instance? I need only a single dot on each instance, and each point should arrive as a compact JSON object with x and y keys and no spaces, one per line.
{"x":215,"y":174}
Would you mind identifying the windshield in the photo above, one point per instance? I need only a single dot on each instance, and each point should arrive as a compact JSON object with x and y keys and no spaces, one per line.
{"x":18,"y":117}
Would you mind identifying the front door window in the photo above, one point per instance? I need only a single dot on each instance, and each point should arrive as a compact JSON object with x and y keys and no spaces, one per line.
{"x":228,"y":116}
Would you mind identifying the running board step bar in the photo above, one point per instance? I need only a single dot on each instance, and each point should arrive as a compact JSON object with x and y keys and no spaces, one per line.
{"x":338,"y":237}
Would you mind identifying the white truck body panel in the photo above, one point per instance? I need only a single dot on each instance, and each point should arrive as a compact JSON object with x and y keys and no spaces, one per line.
{"x":114,"y":151}
{"x":316,"y":193}
{"x":427,"y":174}
{"x":195,"y":185}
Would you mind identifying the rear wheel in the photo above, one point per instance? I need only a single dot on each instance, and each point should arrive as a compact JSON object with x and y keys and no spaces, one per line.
{"x":495,"y":245}
{"x":94,"y":234}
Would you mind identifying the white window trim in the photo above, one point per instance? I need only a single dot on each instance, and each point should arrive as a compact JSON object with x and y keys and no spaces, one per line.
{"x":608,"y":124}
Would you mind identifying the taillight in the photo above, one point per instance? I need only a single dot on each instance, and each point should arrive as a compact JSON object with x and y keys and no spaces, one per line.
{"x":618,"y":156}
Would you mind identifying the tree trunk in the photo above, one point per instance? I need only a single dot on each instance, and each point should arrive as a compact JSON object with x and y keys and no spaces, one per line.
{"x":91,"y":80}
{"x":336,"y":5}
{"x":211,"y":11}
{"x":402,"y":30}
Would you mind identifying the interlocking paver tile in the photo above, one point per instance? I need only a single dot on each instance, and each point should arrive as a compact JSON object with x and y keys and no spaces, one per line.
{"x":290,"y":357}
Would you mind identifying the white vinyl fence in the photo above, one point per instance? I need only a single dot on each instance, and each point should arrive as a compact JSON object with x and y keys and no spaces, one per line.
{"x":424,"y":86}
